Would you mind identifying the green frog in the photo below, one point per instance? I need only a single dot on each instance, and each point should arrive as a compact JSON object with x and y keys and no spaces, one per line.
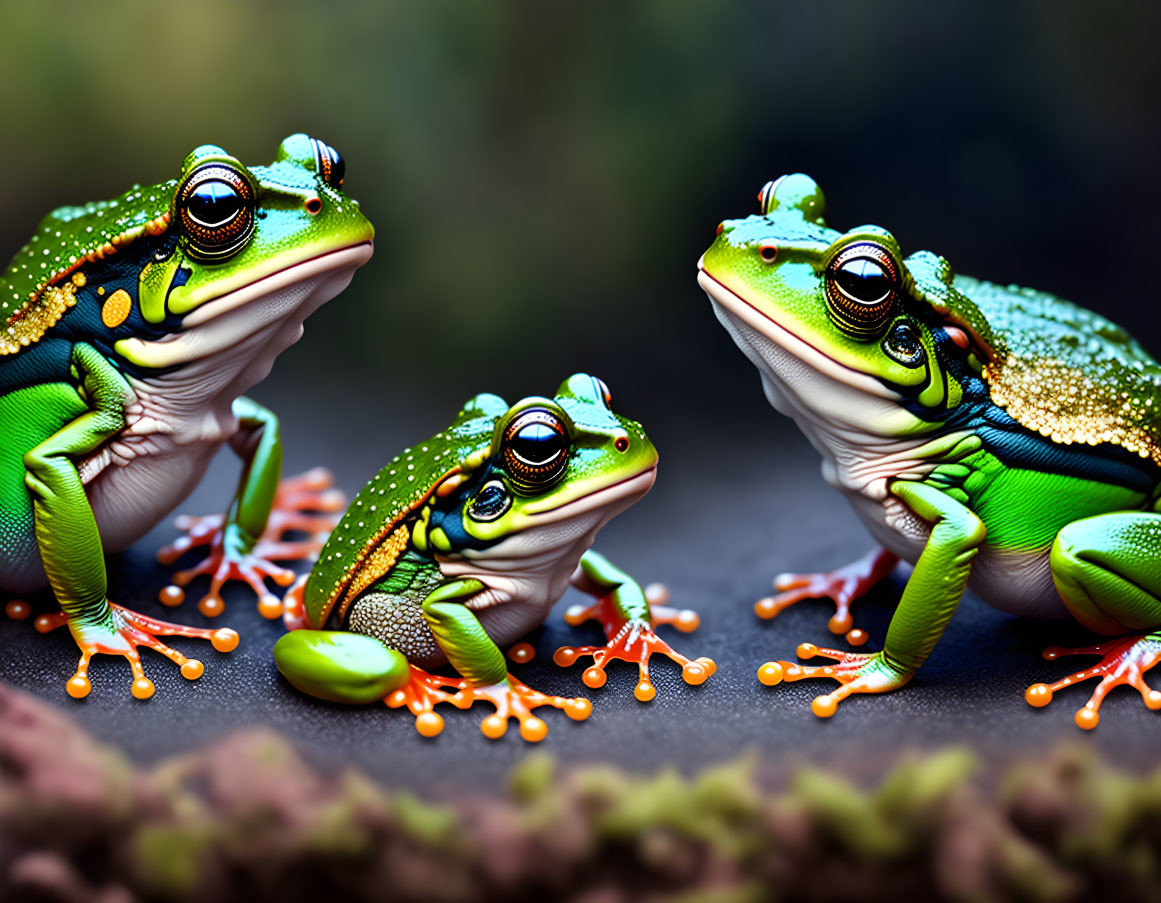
{"x":994,"y":437}
{"x":462,"y":544}
{"x":131,"y":328}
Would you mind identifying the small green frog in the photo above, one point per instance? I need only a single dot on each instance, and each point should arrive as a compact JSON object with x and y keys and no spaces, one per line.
{"x":993,"y":436}
{"x":463,"y":543}
{"x":131,"y":327}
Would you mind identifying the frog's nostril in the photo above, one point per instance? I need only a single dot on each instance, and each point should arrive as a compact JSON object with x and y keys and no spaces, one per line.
{"x":768,"y":251}
{"x":313,"y":206}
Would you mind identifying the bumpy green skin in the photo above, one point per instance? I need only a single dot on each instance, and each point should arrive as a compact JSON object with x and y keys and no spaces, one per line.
{"x":605,"y":451}
{"x":105,"y":306}
{"x":1019,"y":431}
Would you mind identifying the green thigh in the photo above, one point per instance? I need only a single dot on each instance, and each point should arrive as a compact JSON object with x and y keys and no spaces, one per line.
{"x":340,"y":666}
{"x":1108,"y":571}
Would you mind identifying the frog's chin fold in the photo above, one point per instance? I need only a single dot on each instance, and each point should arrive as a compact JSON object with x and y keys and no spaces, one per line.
{"x":267,"y":304}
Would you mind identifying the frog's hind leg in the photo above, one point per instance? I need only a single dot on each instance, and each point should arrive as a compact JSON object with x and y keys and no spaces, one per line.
{"x":244,"y":543}
{"x":1108,"y":572}
{"x":842,"y":585}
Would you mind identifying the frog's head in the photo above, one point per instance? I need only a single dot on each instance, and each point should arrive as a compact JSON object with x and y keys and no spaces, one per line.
{"x":568,"y":458}
{"x":175,"y":272}
{"x":839,"y":323}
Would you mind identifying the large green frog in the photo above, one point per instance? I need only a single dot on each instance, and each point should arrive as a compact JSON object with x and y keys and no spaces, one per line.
{"x":461,"y":544}
{"x":131,"y":327}
{"x":995,"y":437}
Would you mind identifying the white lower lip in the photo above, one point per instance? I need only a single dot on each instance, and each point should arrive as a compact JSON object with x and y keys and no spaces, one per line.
{"x":345,"y":258}
{"x":600,"y":498}
{"x":801,"y":349}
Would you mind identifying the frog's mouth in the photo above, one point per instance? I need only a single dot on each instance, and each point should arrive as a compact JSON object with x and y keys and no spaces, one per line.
{"x":632,"y":487}
{"x":814,"y":357}
{"x":289,"y":294}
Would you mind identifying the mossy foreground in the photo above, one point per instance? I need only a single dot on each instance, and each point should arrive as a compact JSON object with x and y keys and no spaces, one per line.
{"x":248,"y":820}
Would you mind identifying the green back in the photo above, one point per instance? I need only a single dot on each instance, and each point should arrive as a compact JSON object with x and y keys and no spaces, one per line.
{"x":399,"y":489}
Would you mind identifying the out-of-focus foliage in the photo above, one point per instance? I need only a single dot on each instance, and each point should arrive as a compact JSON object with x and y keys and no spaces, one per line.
{"x":544,"y":175}
{"x":248,"y":819}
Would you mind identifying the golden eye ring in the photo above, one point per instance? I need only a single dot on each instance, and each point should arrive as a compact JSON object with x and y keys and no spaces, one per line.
{"x":862,"y":285}
{"x":215,"y":207}
{"x":535,"y":449}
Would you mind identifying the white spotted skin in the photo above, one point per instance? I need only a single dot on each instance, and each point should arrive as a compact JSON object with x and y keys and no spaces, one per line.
{"x":863,"y":449}
{"x":178,"y":421}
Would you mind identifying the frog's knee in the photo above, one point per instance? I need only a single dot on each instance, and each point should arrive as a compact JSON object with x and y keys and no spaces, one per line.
{"x":1082,"y":581}
{"x":340,"y":666}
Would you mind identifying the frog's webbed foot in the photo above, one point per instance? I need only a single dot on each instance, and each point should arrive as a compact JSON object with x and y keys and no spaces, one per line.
{"x":308,"y":503}
{"x":843,"y":585}
{"x":634,"y":641}
{"x":856,"y":672}
{"x":123,"y":635}
{"x":511,"y":699}
{"x":1124,"y":661}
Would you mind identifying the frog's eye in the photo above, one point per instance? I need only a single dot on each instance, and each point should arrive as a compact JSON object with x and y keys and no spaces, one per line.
{"x":604,"y":390}
{"x":329,"y":163}
{"x":904,"y":345}
{"x":491,"y":501}
{"x":535,"y":449}
{"x":862,"y":282}
{"x":215,"y":205}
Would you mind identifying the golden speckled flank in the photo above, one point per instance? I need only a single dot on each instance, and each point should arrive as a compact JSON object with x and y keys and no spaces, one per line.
{"x":66,"y":240}
{"x":375,"y":565}
{"x":1069,"y":405}
{"x":29,"y":324}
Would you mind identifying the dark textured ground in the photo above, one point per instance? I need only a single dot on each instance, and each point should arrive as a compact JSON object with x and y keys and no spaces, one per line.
{"x":732,"y":507}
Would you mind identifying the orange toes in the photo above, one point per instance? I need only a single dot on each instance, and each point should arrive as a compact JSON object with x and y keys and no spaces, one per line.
{"x":224,"y":640}
{"x":78,"y":686}
{"x":1087,"y":718}
{"x":1038,"y":695}
{"x":770,"y":674}
{"x":824,"y":706}
{"x":429,"y":724}
{"x":192,"y":669}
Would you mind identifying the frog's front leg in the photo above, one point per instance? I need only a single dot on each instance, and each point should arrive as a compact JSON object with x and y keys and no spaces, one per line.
{"x":479,"y":660}
{"x":928,"y":602}
{"x":1108,"y":572}
{"x":244,"y":543}
{"x":70,"y":544}
{"x":842,"y":586}
{"x":628,"y":616}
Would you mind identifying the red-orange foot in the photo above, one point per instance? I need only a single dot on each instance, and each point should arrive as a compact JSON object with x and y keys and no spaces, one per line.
{"x":634,"y":641}
{"x":127,"y":632}
{"x":511,"y":699}
{"x":1124,"y":661}
{"x":308,"y":503}
{"x":843,"y":586}
{"x":856,"y":672}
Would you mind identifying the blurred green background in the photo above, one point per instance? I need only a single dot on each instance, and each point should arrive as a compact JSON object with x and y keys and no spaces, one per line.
{"x":544,"y":175}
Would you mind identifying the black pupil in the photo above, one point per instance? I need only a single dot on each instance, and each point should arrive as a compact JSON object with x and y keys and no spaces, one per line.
{"x":864,"y":280}
{"x":214,"y":203}
{"x":537,"y":443}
